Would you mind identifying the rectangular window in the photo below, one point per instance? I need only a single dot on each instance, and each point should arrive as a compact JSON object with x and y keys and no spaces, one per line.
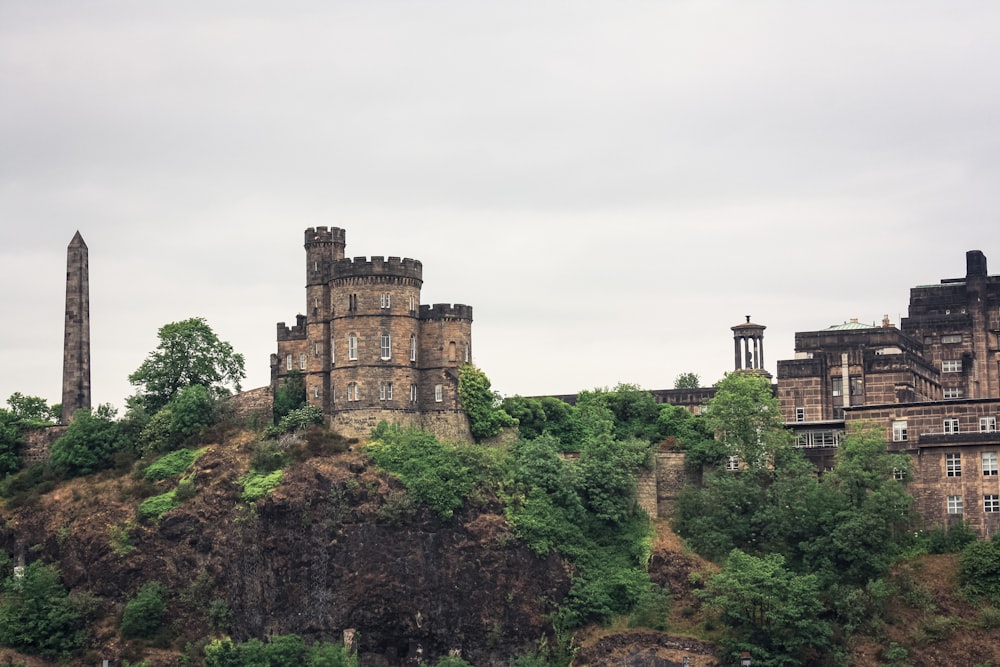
{"x":953,"y":392}
{"x":951,"y":339}
{"x":857,"y":387}
{"x":317,"y":349}
{"x":898,"y":474}
{"x":989,"y":460}
{"x":733,"y":463}
{"x":951,"y":366}
{"x":386,"y":347}
{"x":352,"y":347}
{"x":991,"y":503}
{"x":838,"y":386}
{"x":386,"y":300}
{"x":413,"y":305}
{"x":352,"y":391}
{"x":413,"y":393}
{"x":953,"y":465}
{"x":413,"y":348}
{"x":316,"y":392}
{"x":800,"y":414}
{"x":302,"y":362}
{"x":468,"y":355}
{"x":385,"y":391}
{"x":333,"y":349}
{"x":987,"y":424}
{"x":438,"y":393}
{"x":951,"y":426}
{"x":289,"y":363}
{"x":954,"y":504}
{"x":899,"y":431}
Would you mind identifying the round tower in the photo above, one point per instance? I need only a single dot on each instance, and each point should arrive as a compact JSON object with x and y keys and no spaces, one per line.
{"x":749,"y":346}
{"x":375,"y":334}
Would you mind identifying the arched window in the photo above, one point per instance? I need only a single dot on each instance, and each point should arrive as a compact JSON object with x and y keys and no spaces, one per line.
{"x":352,"y":347}
{"x":413,"y":347}
{"x":386,"y":346}
{"x":438,"y":393}
{"x":451,"y":351}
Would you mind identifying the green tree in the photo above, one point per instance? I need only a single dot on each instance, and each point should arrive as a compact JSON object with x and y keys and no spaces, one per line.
{"x":191,"y":410}
{"x":687,"y":381}
{"x":189,"y":353}
{"x":290,"y":395}
{"x":285,"y":651}
{"x":11,"y":441}
{"x":746,"y":419}
{"x":770,"y":611}
{"x":979,"y":570}
{"x":481,"y":404}
{"x":90,"y":441}
{"x":31,"y":410}
{"x":634,"y":411}
{"x":144,"y":612}
{"x":37,"y":616}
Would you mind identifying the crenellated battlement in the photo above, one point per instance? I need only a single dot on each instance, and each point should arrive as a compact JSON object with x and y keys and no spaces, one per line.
{"x":446,"y":311}
{"x":325,"y":235}
{"x":298,"y":332}
{"x":360,"y":267}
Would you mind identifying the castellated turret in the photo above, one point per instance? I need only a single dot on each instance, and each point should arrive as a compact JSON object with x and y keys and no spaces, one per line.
{"x":366,"y":347}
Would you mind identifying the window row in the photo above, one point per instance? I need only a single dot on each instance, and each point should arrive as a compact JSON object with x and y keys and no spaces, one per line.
{"x":856,"y":384}
{"x":949,"y":426}
{"x":953,"y":464}
{"x":384,"y":302}
{"x":991,"y":503}
{"x":385,"y":392}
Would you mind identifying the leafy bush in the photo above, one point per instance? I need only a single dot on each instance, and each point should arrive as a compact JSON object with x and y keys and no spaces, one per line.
{"x":300,"y":418}
{"x":280,"y":651}
{"x":979,"y":570}
{"x":952,"y":539}
{"x":439,"y":475}
{"x":220,"y":615}
{"x":144,"y":612}
{"x":173,"y":464}
{"x":37,"y":616}
{"x":290,"y":395}
{"x":191,"y":411}
{"x":257,"y":485}
{"x":266,"y":456}
{"x":481,"y":404}
{"x":89,"y":442}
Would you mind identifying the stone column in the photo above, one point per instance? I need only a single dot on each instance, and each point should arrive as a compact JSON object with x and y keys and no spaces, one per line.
{"x":76,"y":344}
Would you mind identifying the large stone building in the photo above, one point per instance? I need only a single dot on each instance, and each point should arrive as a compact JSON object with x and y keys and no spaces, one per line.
{"x":368,"y":349}
{"x":931,"y":385}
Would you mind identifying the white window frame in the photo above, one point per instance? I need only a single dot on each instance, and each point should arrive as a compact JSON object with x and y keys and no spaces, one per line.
{"x":898,"y":474}
{"x":953,"y":465}
{"x":991,"y":503}
{"x":385,"y":391}
{"x":385,"y":347}
{"x":951,"y":426}
{"x":413,"y":347}
{"x":987,"y":424}
{"x":733,"y":462}
{"x":837,"y":381}
{"x":413,"y":304}
{"x":352,"y":392}
{"x":385,"y":301}
{"x":800,"y":414}
{"x":951,"y":366}
{"x":952,"y":392}
{"x":988,"y":462}
{"x":438,"y":393}
{"x":468,"y":354}
{"x":317,"y":349}
{"x":954,"y":504}
{"x":352,"y":347}
{"x":899,"y":430}
{"x":951,"y":339}
{"x":290,"y":362}
{"x":333,"y":351}
{"x":302,"y":361}
{"x":316,"y":391}
{"x":413,"y":393}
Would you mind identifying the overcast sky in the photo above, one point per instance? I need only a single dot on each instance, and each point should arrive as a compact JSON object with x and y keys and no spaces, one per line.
{"x":611,"y":185}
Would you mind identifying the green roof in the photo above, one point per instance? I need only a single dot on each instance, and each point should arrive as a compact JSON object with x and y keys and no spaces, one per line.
{"x":849,"y":326}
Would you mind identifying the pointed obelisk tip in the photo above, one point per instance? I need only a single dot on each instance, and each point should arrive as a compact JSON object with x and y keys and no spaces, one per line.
{"x":78,"y":240}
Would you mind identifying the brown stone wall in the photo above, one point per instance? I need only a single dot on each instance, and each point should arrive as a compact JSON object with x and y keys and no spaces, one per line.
{"x":254,"y":404}
{"x":671,"y":477}
{"x":37,"y":442}
{"x":646,"y":491}
{"x":446,"y":425}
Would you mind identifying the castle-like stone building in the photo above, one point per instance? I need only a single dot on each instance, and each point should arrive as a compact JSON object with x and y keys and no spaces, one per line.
{"x":932,"y":385}
{"x":367,"y":348}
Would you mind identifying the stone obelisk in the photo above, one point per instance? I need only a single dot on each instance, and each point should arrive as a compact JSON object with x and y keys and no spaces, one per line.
{"x":76,"y":346}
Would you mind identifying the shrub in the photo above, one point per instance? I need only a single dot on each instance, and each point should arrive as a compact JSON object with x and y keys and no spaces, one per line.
{"x":37,"y":616}
{"x":89,"y":442}
{"x":191,"y":410}
{"x":979,"y":570}
{"x":257,"y":485}
{"x":952,"y":539}
{"x":481,"y":404}
{"x":144,"y":612}
{"x":300,"y":418}
{"x":220,"y":615}
{"x":173,"y":464}
{"x":266,"y":456}
{"x":155,"y":507}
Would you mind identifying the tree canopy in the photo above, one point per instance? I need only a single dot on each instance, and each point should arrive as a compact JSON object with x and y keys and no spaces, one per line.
{"x":189,"y":354}
{"x":687,"y":381}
